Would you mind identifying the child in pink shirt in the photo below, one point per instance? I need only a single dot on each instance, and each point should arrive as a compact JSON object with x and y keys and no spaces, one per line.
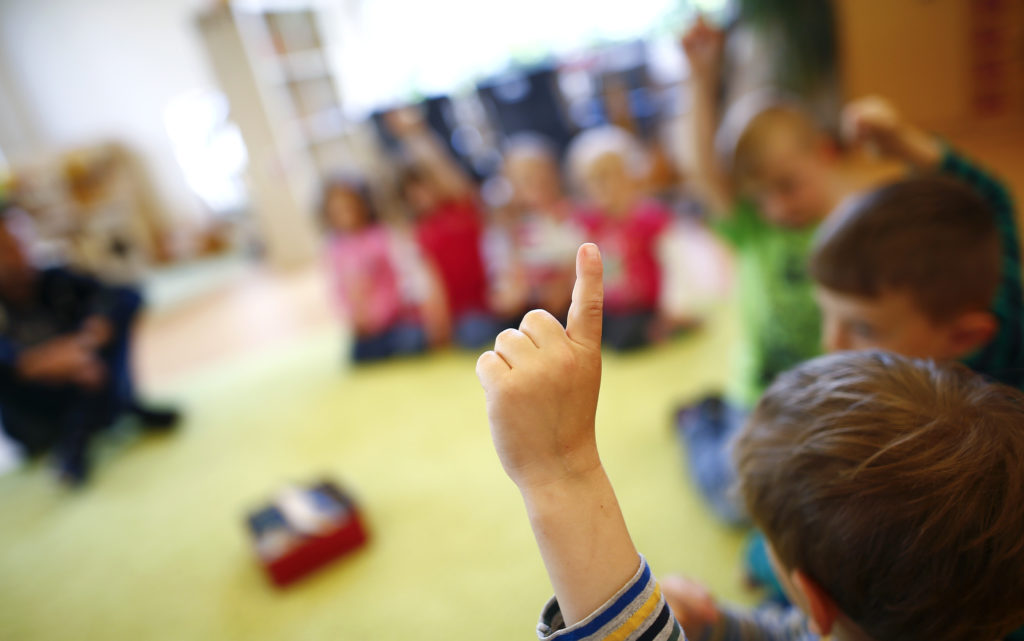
{"x":373,"y":286}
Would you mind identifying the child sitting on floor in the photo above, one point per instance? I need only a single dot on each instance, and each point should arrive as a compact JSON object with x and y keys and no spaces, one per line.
{"x":609,"y":165}
{"x":889,"y":490}
{"x":65,"y":355}
{"x":374,"y":284}
{"x":778,"y":176}
{"x":928,"y":266}
{"x":542,"y":236}
{"x":449,"y":227}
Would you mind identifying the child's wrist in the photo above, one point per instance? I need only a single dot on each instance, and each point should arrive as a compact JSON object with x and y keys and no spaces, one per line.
{"x":578,"y":480}
{"x":703,"y":80}
{"x":919,"y":147}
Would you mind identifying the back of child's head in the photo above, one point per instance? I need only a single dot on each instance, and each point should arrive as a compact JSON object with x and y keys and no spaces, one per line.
{"x":930,"y":237}
{"x":896,"y":485}
{"x":608,"y":165}
{"x":530,"y":164}
{"x":346,"y":204}
{"x":776,"y":153}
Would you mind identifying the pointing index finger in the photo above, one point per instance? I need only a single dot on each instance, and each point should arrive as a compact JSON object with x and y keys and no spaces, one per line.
{"x":585,"y":313}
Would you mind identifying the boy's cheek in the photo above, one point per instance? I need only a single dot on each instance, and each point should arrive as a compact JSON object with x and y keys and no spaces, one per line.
{"x":834,"y":338}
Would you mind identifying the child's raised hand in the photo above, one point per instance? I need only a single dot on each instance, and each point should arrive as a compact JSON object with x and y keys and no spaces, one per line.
{"x":541,"y":382}
{"x":872,"y":121}
{"x":703,"y":44}
{"x":875,"y":123}
{"x":691,"y":604}
{"x":405,"y":121}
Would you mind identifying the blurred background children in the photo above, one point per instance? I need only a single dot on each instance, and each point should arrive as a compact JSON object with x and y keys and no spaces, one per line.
{"x":383,"y":290}
{"x":542,"y":237}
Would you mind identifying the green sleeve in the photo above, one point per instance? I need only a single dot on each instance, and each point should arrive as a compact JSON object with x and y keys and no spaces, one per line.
{"x":1003,"y":358}
{"x":998,"y":197}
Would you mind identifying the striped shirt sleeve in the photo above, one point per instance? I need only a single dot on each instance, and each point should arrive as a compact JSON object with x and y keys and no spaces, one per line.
{"x":637,"y":612}
{"x":993,"y":191}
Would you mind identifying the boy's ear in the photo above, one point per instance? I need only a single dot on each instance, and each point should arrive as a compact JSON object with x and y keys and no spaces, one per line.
{"x":820,"y":608}
{"x":970,"y":331}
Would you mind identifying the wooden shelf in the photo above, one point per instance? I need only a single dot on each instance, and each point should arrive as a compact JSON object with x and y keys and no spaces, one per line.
{"x":276,"y":73}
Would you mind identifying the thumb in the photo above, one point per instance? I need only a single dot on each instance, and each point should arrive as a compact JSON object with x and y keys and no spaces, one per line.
{"x":584,"y":322}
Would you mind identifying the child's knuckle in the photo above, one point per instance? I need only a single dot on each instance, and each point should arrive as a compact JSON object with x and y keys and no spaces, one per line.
{"x":535,"y":318}
{"x":505,"y":338}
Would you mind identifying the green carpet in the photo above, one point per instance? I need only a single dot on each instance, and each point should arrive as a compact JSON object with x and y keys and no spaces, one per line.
{"x":155,"y":548}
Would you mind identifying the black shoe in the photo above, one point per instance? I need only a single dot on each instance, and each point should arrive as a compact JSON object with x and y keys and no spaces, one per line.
{"x":157,"y":419}
{"x":709,"y":409}
{"x":73,"y":469}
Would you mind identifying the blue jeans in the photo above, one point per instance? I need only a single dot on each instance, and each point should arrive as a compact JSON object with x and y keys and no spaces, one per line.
{"x":400,"y":340}
{"x":626,"y":331}
{"x":706,"y":431}
{"x":476,"y":330}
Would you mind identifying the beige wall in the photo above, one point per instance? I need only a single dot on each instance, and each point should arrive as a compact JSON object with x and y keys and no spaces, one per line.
{"x":17,"y":129}
{"x":911,"y":51}
{"x":919,"y":54}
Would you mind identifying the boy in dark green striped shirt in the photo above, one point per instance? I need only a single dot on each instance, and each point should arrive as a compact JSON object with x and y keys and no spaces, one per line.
{"x":928,"y":266}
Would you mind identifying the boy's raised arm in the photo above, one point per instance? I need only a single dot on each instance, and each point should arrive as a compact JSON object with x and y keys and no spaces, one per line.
{"x":541,"y":383}
{"x":702,"y":45}
{"x":874,"y":121}
{"x":410,"y":127}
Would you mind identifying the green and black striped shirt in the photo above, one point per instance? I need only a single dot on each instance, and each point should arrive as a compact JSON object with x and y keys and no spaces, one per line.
{"x":1003,"y":358}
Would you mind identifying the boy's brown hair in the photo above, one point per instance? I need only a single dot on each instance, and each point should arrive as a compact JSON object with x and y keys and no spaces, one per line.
{"x":897,"y":485}
{"x":754,"y":123}
{"x":930,"y":236}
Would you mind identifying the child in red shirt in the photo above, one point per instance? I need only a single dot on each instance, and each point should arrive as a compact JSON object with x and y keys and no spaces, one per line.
{"x":449,"y":228}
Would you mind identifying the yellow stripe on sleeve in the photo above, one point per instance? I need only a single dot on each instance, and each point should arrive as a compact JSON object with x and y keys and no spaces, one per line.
{"x":630,"y":625}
